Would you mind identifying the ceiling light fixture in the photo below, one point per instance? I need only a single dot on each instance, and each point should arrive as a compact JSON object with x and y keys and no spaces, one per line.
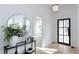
{"x":55,"y":8}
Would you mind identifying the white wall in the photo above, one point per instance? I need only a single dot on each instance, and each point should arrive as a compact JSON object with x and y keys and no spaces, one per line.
{"x":30,"y":11}
{"x":68,"y":11}
{"x":77,"y":26}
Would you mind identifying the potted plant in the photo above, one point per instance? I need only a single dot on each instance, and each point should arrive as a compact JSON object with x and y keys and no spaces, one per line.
{"x":11,"y":33}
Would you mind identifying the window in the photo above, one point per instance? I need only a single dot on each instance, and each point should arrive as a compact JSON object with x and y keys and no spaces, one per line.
{"x":38,"y":26}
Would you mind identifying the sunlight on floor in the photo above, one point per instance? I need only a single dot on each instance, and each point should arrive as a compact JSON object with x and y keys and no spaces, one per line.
{"x":47,"y":50}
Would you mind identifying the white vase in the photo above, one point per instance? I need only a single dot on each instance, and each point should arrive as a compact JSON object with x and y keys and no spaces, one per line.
{"x":13,"y":41}
{"x":16,"y":39}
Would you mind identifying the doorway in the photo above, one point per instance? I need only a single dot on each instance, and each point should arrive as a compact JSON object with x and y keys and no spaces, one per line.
{"x":38,"y":31}
{"x":63,"y":31}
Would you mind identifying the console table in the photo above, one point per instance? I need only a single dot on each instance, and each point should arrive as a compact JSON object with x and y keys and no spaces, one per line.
{"x":32,"y":49}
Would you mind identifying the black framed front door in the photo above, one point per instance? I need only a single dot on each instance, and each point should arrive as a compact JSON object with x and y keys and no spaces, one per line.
{"x":63,"y":31}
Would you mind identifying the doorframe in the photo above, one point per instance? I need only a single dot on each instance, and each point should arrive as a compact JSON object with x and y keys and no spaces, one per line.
{"x":69,"y":31}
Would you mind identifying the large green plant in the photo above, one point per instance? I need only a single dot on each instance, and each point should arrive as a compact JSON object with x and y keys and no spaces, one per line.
{"x":9,"y":31}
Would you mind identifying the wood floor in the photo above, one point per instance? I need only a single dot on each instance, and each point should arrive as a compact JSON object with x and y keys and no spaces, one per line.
{"x":64,"y":49}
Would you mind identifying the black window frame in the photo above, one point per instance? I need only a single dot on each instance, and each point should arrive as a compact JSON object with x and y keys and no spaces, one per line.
{"x":63,"y":31}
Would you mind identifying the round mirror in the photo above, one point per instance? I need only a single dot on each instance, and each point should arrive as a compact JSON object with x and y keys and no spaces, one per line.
{"x":19,"y":21}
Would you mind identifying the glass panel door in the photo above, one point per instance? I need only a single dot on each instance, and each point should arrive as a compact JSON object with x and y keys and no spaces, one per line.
{"x":64,"y":31}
